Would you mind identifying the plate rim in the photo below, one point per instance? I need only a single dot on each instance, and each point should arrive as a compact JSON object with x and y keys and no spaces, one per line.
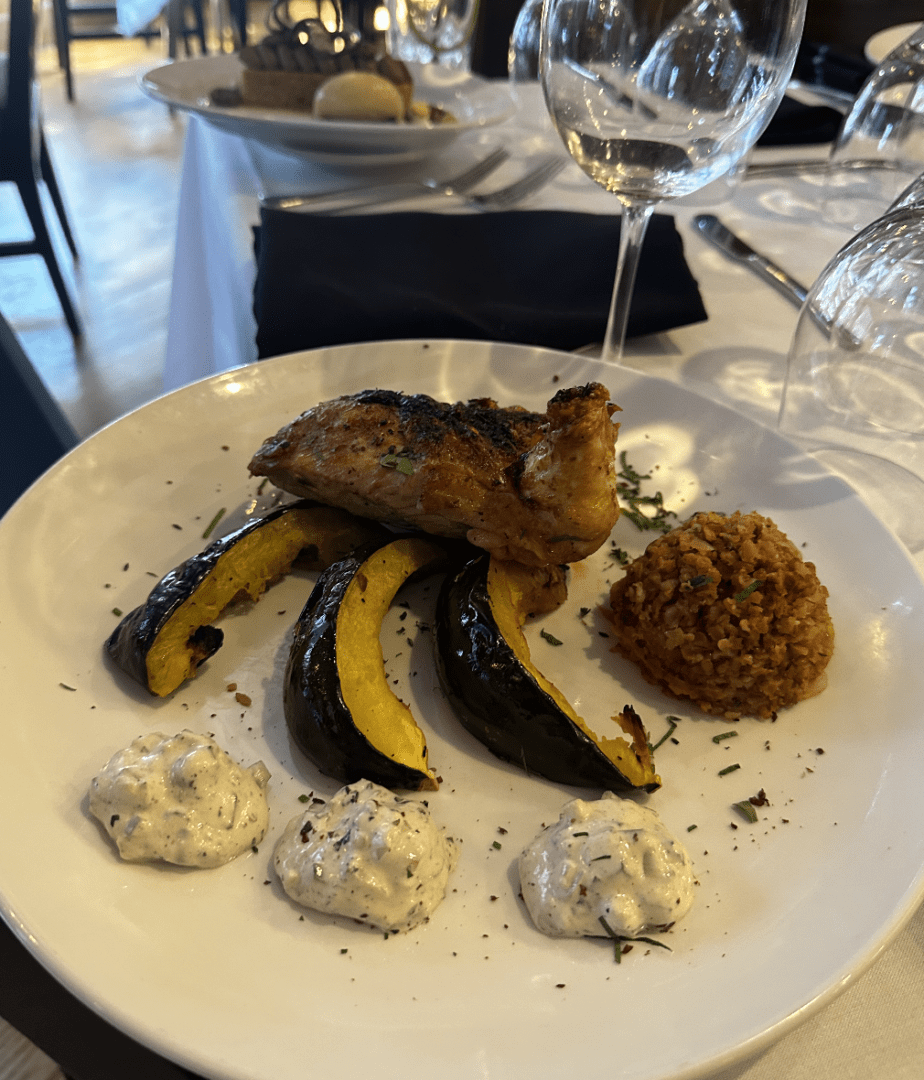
{"x":880,"y":44}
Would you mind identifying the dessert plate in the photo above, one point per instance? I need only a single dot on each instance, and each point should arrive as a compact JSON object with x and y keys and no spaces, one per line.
{"x":882,"y":43}
{"x":475,"y":102}
{"x":220,"y":972}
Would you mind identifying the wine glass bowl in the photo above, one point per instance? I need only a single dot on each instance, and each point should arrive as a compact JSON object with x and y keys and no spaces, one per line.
{"x":884,"y":130}
{"x":854,"y":388}
{"x":432,"y":31}
{"x":656,"y":101}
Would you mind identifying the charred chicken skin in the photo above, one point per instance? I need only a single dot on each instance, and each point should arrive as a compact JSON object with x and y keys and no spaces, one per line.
{"x":534,"y":488}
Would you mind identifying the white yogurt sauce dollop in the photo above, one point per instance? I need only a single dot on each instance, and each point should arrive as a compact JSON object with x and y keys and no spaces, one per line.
{"x":367,"y":854}
{"x":610,"y":859}
{"x":181,"y":799}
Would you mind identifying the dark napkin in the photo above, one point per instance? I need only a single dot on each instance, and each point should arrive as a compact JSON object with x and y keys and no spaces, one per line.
{"x":795,"y":124}
{"x":531,"y":277}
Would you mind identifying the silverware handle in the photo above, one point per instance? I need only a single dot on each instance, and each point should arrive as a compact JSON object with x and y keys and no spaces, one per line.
{"x":779,"y":279}
{"x":362,"y":196}
{"x":733,"y":247}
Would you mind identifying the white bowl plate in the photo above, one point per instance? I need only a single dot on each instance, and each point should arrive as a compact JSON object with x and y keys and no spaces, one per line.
{"x":881,"y":44}
{"x":475,"y":102}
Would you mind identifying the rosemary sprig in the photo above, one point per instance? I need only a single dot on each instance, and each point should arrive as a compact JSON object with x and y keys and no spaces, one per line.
{"x":213,"y":523}
{"x":672,"y":720}
{"x":629,"y":488}
{"x":745,"y":593}
{"x":621,"y":939}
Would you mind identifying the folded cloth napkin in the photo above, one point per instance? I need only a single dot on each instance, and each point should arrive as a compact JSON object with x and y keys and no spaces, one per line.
{"x":819,"y":63}
{"x":795,"y":124}
{"x":532,"y":277}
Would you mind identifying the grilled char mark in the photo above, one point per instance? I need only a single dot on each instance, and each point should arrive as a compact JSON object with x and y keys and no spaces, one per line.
{"x":421,"y":421}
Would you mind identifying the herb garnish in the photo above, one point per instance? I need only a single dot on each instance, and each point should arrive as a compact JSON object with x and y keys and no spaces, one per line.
{"x":696,"y":582}
{"x":746,"y":809}
{"x":619,"y":940}
{"x":745,"y":593}
{"x":629,"y":488}
{"x":730,"y":768}
{"x":213,"y":523}
{"x":400,"y":461}
{"x":549,"y":638}
{"x":725,"y":735}
{"x":673,"y":721}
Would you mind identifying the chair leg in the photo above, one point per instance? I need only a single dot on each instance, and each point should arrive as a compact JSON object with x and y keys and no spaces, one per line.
{"x":51,"y":182}
{"x":239,"y":16}
{"x":200,"y":25}
{"x":29,"y":193}
{"x":63,"y":42}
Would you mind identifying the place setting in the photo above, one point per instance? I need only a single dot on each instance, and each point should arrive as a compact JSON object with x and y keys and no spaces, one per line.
{"x":263,"y":92}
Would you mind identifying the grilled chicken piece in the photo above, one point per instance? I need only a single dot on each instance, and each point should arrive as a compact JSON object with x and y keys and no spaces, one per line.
{"x":534,"y":488}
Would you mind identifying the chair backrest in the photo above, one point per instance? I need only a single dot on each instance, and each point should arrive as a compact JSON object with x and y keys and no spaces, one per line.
{"x":34,"y":432}
{"x":492,"y":37}
{"x":16,"y":111}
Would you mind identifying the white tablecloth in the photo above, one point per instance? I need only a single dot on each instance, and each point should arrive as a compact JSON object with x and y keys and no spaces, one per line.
{"x":736,"y":357}
{"x":875,"y":1028}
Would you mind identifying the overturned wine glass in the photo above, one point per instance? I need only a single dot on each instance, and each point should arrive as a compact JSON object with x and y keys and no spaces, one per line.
{"x":879,"y":150}
{"x":854,"y":388}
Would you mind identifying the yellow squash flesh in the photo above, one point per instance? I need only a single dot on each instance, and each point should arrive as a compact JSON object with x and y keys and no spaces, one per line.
{"x":322,"y":533}
{"x":507,"y":605}
{"x":385,"y":720}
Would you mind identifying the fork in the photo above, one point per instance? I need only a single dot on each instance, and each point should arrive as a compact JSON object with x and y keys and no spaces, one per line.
{"x":519,"y":189}
{"x":386,"y":193}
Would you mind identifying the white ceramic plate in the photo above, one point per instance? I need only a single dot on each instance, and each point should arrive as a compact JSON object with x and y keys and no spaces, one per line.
{"x":475,"y":102}
{"x":219,"y":971}
{"x":880,"y":45}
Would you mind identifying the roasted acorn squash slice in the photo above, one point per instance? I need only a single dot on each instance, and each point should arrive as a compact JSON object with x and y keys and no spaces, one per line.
{"x":501,"y":697}
{"x":339,"y":708}
{"x":162,"y":643}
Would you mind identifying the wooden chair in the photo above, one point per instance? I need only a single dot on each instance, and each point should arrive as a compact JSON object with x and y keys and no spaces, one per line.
{"x":34,"y":432}
{"x":491,"y":41}
{"x":69,"y":26}
{"x":25,"y":160}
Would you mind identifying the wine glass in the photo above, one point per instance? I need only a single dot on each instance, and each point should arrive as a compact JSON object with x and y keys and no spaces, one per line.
{"x":433,"y":31}
{"x":656,"y":100}
{"x":854,"y":389}
{"x":879,"y":149}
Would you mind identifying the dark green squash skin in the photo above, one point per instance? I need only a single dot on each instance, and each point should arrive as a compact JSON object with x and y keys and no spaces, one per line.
{"x":499,"y":702}
{"x":317,"y":717}
{"x":128,"y":645}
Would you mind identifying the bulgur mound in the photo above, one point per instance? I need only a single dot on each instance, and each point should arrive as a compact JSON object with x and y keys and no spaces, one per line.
{"x":689,"y":613}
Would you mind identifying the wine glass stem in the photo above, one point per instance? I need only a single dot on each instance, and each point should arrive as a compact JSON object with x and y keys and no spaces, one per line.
{"x":635,"y":218}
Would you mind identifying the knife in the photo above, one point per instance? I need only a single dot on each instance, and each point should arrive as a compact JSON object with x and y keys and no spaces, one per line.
{"x":735,"y":248}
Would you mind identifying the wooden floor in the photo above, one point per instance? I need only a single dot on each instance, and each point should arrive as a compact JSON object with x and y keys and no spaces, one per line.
{"x":117,"y":156}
